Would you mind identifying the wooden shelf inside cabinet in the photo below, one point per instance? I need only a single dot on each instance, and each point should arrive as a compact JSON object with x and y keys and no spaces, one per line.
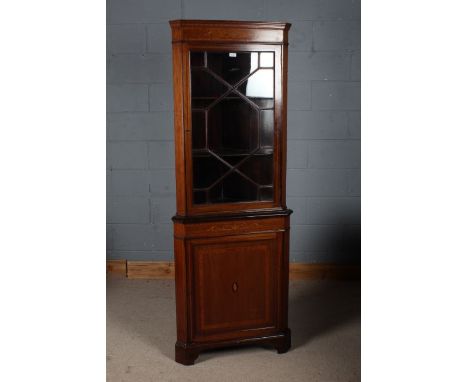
{"x":230,"y":125}
{"x":232,"y":153}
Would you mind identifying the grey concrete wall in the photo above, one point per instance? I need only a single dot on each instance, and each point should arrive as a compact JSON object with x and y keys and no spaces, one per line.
{"x":323,"y":175}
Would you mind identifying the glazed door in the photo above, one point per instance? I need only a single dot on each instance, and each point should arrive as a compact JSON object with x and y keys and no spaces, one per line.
{"x":234,"y":286}
{"x":232,"y":140}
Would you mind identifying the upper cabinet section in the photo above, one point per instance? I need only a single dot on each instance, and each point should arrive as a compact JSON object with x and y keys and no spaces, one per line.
{"x":229,"y":115}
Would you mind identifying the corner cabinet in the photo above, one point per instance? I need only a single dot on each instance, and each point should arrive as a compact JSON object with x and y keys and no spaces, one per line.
{"x":231,"y":230}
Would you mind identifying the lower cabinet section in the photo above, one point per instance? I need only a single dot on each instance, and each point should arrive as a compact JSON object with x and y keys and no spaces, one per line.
{"x":231,"y":285}
{"x":234,"y":284}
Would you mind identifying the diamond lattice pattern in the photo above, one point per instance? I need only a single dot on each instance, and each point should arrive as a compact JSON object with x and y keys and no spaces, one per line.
{"x":232,"y":97}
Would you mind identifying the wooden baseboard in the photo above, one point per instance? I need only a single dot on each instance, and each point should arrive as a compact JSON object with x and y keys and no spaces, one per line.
{"x":117,"y":267}
{"x":150,"y":269}
{"x":302,"y":271}
{"x":297,"y":271}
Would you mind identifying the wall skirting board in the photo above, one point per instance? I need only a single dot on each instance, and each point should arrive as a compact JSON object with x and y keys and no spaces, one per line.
{"x":297,"y":271}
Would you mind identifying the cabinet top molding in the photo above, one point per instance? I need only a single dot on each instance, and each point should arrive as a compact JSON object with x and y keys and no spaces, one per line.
{"x":229,"y":31}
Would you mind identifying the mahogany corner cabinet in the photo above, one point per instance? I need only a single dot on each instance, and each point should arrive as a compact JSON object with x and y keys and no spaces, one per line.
{"x":231,"y":229}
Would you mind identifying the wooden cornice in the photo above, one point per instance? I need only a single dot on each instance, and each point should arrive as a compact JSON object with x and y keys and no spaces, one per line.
{"x":229,"y":31}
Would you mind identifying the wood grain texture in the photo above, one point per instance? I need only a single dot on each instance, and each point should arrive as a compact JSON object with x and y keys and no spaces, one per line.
{"x":229,"y":31}
{"x":187,"y":353}
{"x":179,"y":134}
{"x":117,"y":267}
{"x":150,"y":269}
{"x":301,"y":271}
{"x":225,"y":228}
{"x":222,"y":311}
{"x":182,"y":298}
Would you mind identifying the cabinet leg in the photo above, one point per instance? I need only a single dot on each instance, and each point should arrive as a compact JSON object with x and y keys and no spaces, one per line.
{"x":185,"y":356}
{"x":284,"y":343}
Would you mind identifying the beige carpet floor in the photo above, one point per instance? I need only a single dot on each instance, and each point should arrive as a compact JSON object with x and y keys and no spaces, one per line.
{"x":324,"y":317}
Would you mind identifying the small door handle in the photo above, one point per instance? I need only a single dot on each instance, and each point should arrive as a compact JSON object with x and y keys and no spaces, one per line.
{"x":234,"y":287}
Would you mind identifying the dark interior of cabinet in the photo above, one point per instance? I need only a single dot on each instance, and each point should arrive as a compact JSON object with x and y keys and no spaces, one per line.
{"x":232,"y":100}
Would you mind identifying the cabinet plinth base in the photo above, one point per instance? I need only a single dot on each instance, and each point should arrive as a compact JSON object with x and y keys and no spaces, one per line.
{"x":186,"y":354}
{"x":283,"y":344}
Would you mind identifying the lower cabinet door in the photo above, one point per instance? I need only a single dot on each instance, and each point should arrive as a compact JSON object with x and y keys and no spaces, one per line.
{"x":234,"y":286}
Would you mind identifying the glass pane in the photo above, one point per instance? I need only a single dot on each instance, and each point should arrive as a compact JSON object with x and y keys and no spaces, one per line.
{"x":266,"y":59}
{"x":197,"y":59}
{"x":206,"y":170}
{"x":232,"y":126}
{"x":198,"y":130}
{"x":199,"y":197}
{"x":232,"y":158}
{"x":267,"y":125}
{"x":232,"y":67}
{"x":233,"y":188}
{"x":266,"y":193}
{"x":259,"y":168}
{"x":204,"y":85}
{"x":232,"y":98}
{"x":259,"y":88}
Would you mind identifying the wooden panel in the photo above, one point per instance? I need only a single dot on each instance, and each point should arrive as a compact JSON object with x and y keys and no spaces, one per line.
{"x":181,"y":290}
{"x":229,"y":31}
{"x":300,"y":271}
{"x":179,"y":136}
{"x":117,"y":267}
{"x":282,"y":124}
{"x":223,"y":228}
{"x":150,"y":270}
{"x":234,"y":285}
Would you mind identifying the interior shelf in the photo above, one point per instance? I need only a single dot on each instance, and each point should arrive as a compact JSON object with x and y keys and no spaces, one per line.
{"x":262,"y":103}
{"x":197,"y":153}
{"x":228,"y":97}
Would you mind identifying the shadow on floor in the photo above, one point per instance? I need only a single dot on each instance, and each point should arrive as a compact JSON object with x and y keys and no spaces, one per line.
{"x":321,"y":306}
{"x":315,"y":309}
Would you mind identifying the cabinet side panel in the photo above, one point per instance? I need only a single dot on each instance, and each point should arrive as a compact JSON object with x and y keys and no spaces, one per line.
{"x":284,"y":280}
{"x":284,"y":122}
{"x":178,"y":83}
{"x":181,"y":290}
